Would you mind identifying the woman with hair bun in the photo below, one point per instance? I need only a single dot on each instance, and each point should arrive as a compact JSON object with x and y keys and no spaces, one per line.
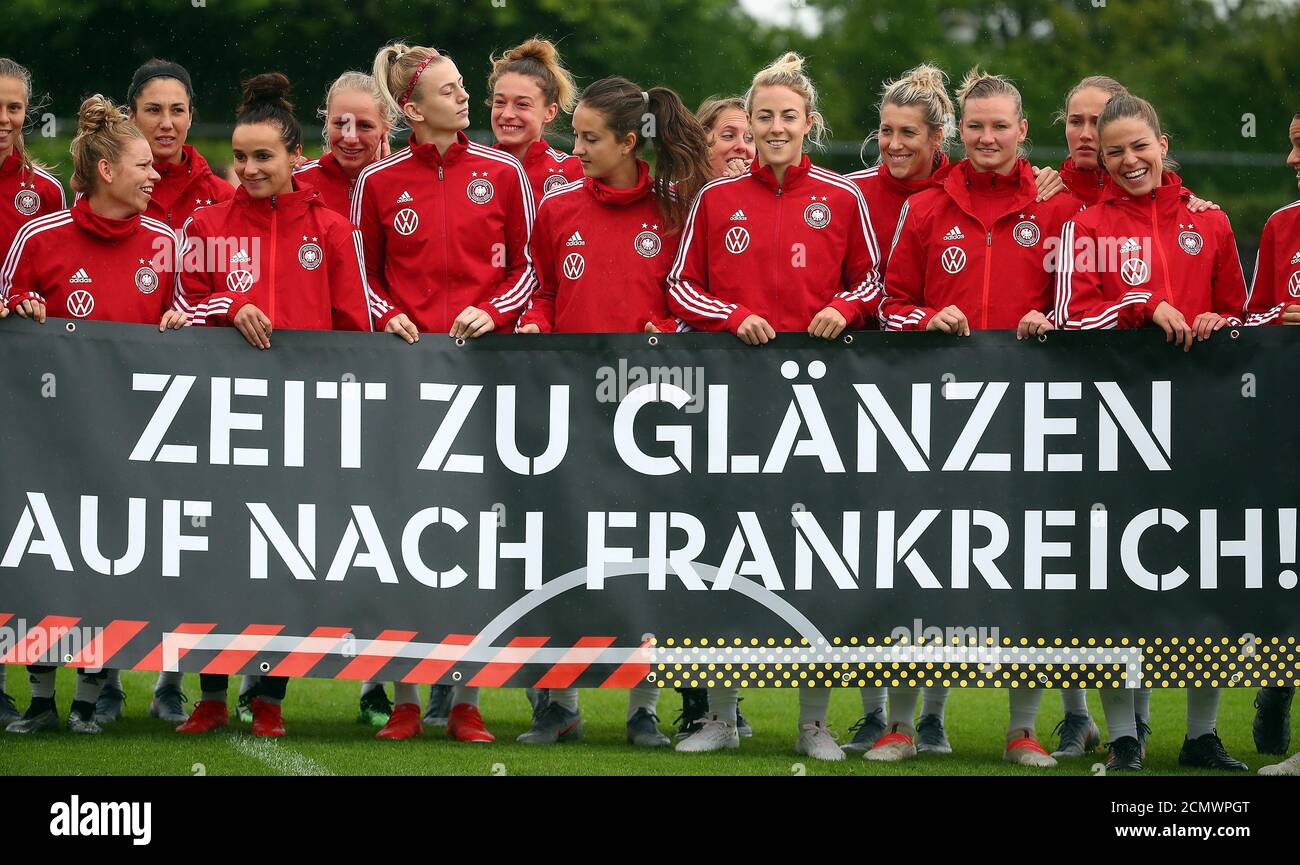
{"x":161,"y":104}
{"x":528,"y":88}
{"x":103,"y":260}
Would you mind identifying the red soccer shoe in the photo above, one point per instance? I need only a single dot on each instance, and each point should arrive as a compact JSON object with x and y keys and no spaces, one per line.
{"x":465,"y":724}
{"x":403,"y":723}
{"x":208,"y":715}
{"x":266,"y":718}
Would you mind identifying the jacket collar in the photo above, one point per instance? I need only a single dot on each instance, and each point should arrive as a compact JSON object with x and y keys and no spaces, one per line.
{"x":1170,"y":191}
{"x":536,"y":152}
{"x":606,"y":194}
{"x":192,"y":164}
{"x":102,"y":227}
{"x":908,"y":187}
{"x":303,"y":196}
{"x":1083,"y":179}
{"x":963,"y":183}
{"x":794,"y":175}
{"x":429,"y":154}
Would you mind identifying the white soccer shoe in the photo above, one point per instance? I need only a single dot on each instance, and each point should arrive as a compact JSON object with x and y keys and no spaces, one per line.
{"x":713,"y":735}
{"x":817,"y":742}
{"x":1024,"y":750}
{"x":1289,"y":766}
{"x":897,"y":744}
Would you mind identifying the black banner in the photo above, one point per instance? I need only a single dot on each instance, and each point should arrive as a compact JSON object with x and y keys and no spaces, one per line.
{"x":596,"y":509}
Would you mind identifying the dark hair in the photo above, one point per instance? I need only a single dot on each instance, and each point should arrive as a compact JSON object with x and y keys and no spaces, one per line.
{"x":157,"y":68}
{"x":266,"y":100}
{"x":1129,"y":106}
{"x":680,"y":143}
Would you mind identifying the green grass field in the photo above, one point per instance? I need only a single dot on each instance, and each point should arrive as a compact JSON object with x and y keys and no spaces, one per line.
{"x":323,"y":738}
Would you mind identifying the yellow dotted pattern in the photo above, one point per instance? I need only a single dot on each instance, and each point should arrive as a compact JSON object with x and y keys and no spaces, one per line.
{"x":1221,"y":662}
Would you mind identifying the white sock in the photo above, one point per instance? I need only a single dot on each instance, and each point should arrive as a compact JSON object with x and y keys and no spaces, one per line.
{"x":464,"y":695}
{"x":1142,"y":705}
{"x":1024,"y":709}
{"x":814,"y":703}
{"x":42,"y":684}
{"x":114,"y":679}
{"x":873,"y":699}
{"x":169,"y":680}
{"x":566,"y":697}
{"x":1075,"y":700}
{"x":88,"y":688}
{"x":722,"y":704}
{"x":403,"y":692}
{"x":934,"y":700}
{"x":902,"y":706}
{"x":1202,"y":711}
{"x":368,"y":686}
{"x":248,"y":683}
{"x":644,"y":696}
{"x":1117,"y":705}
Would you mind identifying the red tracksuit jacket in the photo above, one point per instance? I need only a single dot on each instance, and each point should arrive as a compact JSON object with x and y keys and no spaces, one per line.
{"x":1123,"y":256}
{"x":184,"y":188}
{"x":601,"y":256}
{"x":445,"y":232}
{"x":1083,"y":183}
{"x":327,"y":177}
{"x":289,"y":255}
{"x":548,"y":168}
{"x":83,"y":265}
{"x":978,"y":241}
{"x":1276,"y":284}
{"x":24,"y":196}
{"x":885,"y":195}
{"x":782,"y":251}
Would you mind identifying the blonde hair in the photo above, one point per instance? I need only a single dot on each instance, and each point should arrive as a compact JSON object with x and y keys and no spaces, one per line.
{"x":394,"y":67}
{"x":539,"y":60}
{"x":103,"y":131}
{"x":788,"y":72}
{"x":1126,"y":106}
{"x":14,"y":69}
{"x":925,"y":86}
{"x":984,"y":85}
{"x":354,"y":82}
{"x":1103,"y":83}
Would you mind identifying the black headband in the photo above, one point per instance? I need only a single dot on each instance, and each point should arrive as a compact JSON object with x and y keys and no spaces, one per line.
{"x":158,"y":69}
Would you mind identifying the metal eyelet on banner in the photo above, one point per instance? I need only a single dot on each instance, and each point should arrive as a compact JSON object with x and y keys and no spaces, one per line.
{"x":1042,"y":337}
{"x":455,"y":675}
{"x":1234,"y":333}
{"x":848,"y":339}
{"x":460,"y":340}
{"x":264,"y":666}
{"x":654,"y":340}
{"x":71,"y":327}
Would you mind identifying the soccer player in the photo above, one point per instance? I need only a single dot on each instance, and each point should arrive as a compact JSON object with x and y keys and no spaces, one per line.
{"x":102,"y":260}
{"x":982,"y":217}
{"x":317,"y":283}
{"x":731,"y":144}
{"x":1173,"y":265}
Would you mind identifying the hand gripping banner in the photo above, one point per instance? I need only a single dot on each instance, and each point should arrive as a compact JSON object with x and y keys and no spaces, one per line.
{"x":1094,"y":509}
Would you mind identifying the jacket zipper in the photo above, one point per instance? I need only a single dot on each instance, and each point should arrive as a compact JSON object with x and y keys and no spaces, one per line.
{"x":780,"y":210}
{"x":271,"y":312}
{"x":988,"y":263}
{"x":445,"y":288}
{"x":1160,"y":250}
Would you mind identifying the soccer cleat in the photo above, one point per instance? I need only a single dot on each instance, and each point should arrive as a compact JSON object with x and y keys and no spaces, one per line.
{"x":866,"y":730}
{"x":435,"y":714}
{"x":168,"y":704}
{"x":81,"y":718}
{"x":376,"y":710}
{"x":35,"y":722}
{"x":108,"y":708}
{"x":817,"y":742}
{"x":1272,"y":727}
{"x":208,"y":715}
{"x":267,"y":720}
{"x":930,"y":736}
{"x":244,"y":708}
{"x":537,"y":698}
{"x":1124,"y":755}
{"x":695,"y":709}
{"x":1144,"y":732}
{"x":1079,"y":735}
{"x":554,"y":723}
{"x":403,"y":722}
{"x":711,"y":735}
{"x":1024,"y":750}
{"x":898,"y":744}
{"x":743,"y":730}
{"x":465,"y":724}
{"x":1207,"y":752}
{"x":643,"y":730}
{"x":8,"y":710}
{"x":1289,"y":766}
